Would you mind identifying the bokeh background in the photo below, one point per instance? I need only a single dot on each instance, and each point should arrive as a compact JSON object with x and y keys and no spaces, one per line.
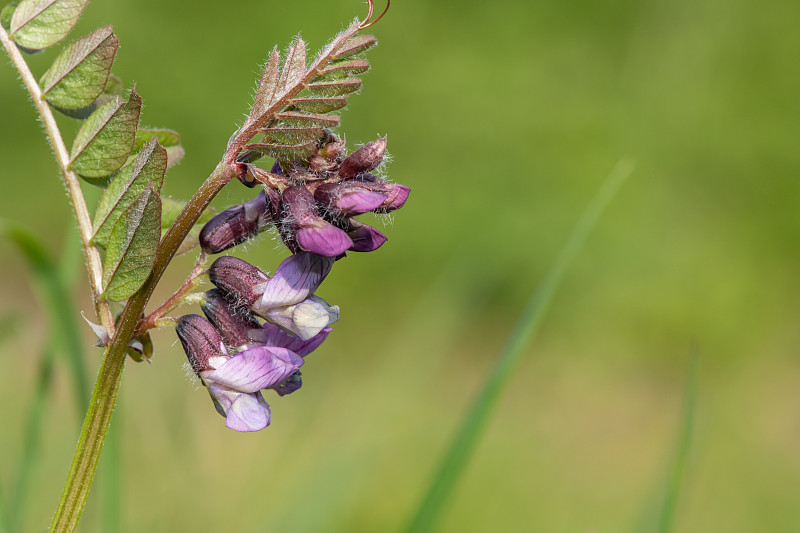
{"x":504,"y":118}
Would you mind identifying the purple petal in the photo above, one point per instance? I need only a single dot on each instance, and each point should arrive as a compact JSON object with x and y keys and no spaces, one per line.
{"x":256,"y":368}
{"x":288,"y":385}
{"x":366,"y":238}
{"x":297,"y":277}
{"x":272,"y":335}
{"x":323,"y":238}
{"x":398,"y":194}
{"x":359,"y":202}
{"x":349,"y":198}
{"x":244,"y":412}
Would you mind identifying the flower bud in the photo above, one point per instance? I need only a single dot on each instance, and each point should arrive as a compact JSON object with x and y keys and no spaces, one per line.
{"x":233,"y":323}
{"x":365,"y":238}
{"x":396,"y":197}
{"x":366,"y":158}
{"x":234,"y":225}
{"x":349,"y":198}
{"x":238,"y":279}
{"x":200,"y":341}
{"x":307,"y":228}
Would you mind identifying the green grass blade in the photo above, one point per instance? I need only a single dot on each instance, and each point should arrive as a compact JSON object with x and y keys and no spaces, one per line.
{"x":34,"y":420}
{"x":466,"y":438}
{"x":56,"y":300}
{"x":677,"y":471}
{"x":32,"y":433}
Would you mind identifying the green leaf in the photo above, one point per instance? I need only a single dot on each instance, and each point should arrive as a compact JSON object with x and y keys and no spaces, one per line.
{"x":305,"y":120}
{"x":292,"y":135}
{"x":79,"y":74}
{"x":37,"y":24}
{"x":113,"y":88}
{"x":170,"y":209}
{"x":315,"y":104}
{"x":265,"y":94}
{"x":146,"y":169}
{"x":336,"y":87}
{"x":132,"y":246}
{"x":355,"y":45}
{"x":460,"y":449}
{"x":343,"y":69}
{"x":171,"y":140}
{"x":106,"y":139}
{"x":284,"y":152}
{"x":294,"y":67}
{"x":6,"y":13}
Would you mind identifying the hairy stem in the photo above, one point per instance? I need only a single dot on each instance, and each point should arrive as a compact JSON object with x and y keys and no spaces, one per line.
{"x":94,"y":264}
{"x":101,"y":408}
{"x":151,"y":320}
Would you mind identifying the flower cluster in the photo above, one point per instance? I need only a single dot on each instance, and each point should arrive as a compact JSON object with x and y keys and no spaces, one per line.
{"x":312,"y":202}
{"x":258,"y":328}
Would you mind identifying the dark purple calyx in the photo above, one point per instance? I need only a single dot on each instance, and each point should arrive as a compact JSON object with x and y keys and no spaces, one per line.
{"x":235,"y":225}
{"x":238,"y":279}
{"x":234,"y":323}
{"x":200,"y":341}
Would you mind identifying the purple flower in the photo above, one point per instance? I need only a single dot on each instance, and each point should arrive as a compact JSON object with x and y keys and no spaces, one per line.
{"x":297,"y":277}
{"x":235,"y":382}
{"x":348,"y":198}
{"x":396,"y":197}
{"x":304,"y":225}
{"x":272,"y":335}
{"x":365,"y":238}
{"x":285,"y":299}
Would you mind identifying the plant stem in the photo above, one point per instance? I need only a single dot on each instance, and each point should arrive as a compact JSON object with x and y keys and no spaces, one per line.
{"x":94,"y":264}
{"x":151,"y":320}
{"x":101,"y":408}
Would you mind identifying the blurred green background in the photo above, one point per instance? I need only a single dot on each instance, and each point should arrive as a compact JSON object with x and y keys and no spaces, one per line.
{"x":503,"y":118}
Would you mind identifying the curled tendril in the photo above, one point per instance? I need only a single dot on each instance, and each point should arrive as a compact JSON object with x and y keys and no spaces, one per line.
{"x":366,"y":23}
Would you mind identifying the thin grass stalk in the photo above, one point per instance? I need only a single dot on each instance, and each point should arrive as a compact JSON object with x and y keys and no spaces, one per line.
{"x":460,"y":450}
{"x":677,"y":473}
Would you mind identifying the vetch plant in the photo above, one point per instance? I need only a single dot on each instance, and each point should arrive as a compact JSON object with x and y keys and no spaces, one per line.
{"x":258,"y":328}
